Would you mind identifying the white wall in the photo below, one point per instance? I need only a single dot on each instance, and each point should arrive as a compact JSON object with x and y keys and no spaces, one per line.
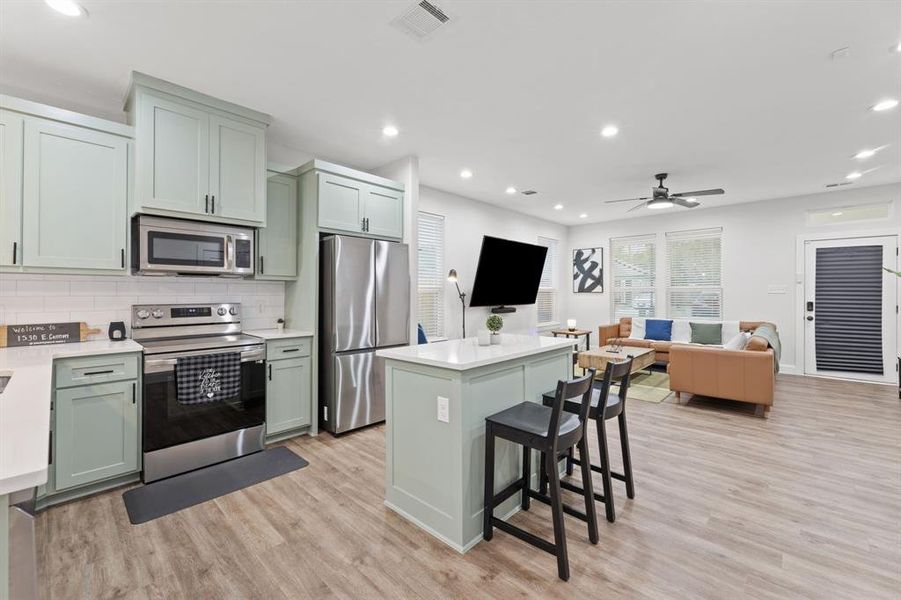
{"x":406,"y":171}
{"x":97,"y":300}
{"x":759,"y":249}
{"x":465,"y":222}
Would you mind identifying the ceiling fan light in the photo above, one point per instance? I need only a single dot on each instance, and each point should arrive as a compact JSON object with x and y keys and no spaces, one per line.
{"x":658,"y":204}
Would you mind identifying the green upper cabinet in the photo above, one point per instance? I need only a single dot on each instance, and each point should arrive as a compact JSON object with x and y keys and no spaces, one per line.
{"x":355,"y":202}
{"x":383,"y":209}
{"x":95,"y":433}
{"x":173,"y":153}
{"x":277,"y":242}
{"x":197,"y":156}
{"x":341,"y":203}
{"x":75,"y":192}
{"x":11,"y":126}
{"x":237,"y":170}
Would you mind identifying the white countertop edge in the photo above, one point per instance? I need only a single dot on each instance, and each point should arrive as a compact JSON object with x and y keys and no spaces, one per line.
{"x":275,"y":334}
{"x":447,"y":354}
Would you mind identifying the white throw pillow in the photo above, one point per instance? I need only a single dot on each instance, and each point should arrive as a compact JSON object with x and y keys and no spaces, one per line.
{"x":738,"y":341}
{"x":730,"y":330}
{"x":637,"y":332}
{"x":681,"y":331}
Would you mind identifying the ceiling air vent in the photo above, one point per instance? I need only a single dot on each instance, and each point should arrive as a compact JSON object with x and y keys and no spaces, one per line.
{"x":529,"y":192}
{"x":421,"y":20}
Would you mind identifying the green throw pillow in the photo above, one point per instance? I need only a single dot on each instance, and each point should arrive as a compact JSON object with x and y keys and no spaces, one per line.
{"x":706,"y":333}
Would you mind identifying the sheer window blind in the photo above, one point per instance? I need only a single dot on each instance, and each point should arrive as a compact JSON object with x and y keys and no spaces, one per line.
{"x":695,"y":268}
{"x":634,"y":267}
{"x":432,"y":276}
{"x":547,"y":289}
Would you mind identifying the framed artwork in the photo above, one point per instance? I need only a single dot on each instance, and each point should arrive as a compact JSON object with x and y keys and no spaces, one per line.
{"x":588,"y":271}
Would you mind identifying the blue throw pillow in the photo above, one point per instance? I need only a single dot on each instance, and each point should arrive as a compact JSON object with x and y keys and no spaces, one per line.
{"x":658,"y":329}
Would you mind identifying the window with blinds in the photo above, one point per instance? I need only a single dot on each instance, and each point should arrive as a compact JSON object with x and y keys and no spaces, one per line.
{"x":633,"y":263}
{"x":432,"y":276}
{"x":546,"y":301}
{"x":694,"y":262}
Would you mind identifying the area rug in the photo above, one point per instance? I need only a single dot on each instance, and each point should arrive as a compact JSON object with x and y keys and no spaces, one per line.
{"x":650,"y":386}
{"x":165,"y":497}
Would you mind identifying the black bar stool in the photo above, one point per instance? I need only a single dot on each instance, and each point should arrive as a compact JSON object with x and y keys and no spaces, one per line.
{"x":550,"y":430}
{"x":611,"y":406}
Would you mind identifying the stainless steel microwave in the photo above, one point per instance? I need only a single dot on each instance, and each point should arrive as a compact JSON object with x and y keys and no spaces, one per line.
{"x":177,"y":246}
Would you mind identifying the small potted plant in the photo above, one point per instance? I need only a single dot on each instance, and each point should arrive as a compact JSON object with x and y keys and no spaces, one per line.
{"x":495,"y":323}
{"x":280,"y":324}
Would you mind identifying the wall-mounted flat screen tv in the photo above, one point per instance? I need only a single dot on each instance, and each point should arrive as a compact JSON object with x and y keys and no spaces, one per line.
{"x":508,"y":273}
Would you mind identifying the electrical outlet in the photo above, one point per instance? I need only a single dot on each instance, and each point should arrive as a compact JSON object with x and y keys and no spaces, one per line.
{"x":443,"y":409}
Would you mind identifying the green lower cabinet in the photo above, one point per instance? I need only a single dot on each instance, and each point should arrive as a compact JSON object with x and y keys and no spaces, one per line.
{"x":288,"y":394}
{"x":96,"y":433}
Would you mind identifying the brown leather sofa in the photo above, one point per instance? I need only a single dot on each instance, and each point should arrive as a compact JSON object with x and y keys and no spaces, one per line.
{"x":745,"y":375}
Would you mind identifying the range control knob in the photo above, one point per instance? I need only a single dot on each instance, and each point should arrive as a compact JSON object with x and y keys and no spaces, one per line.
{"x":143,"y":313}
{"x":233,"y":310}
{"x":157,"y":313}
{"x":221,"y":311}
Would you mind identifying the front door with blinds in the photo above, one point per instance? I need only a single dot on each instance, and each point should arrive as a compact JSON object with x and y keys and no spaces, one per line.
{"x":850,"y":308}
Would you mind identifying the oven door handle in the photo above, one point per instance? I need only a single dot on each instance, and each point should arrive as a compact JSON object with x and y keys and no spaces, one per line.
{"x":162,"y":363}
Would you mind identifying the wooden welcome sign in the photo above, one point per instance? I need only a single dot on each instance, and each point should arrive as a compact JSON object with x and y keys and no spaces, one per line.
{"x":41,"y":334}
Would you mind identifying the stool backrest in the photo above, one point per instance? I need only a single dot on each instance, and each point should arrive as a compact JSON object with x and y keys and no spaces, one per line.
{"x":566,"y":390}
{"x":621,"y":371}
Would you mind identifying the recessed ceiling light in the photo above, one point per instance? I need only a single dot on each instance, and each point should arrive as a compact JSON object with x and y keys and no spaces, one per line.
{"x":510,"y":190}
{"x":558,"y":207}
{"x":865,"y":154}
{"x":390,"y":130}
{"x":886,"y":104}
{"x":466,"y":174}
{"x":854,"y":175}
{"x":67,"y":7}
{"x":837,"y":213}
{"x":583,"y":216}
{"x":609,"y":131}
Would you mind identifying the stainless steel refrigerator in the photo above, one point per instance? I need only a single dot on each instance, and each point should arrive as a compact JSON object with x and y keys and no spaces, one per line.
{"x":364,"y":306}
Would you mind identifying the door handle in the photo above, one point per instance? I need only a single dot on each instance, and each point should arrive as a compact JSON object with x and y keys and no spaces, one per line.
{"x":810,"y":317}
{"x":206,"y":199}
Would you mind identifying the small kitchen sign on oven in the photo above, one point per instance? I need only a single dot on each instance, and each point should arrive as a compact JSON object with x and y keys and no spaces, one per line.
{"x":40,"y":334}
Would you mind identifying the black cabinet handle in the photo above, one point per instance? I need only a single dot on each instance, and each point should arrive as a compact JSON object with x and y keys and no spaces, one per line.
{"x":134,"y":393}
{"x":15,"y":249}
{"x":50,"y":449}
{"x":98,"y":372}
{"x":270,"y":371}
{"x":367,"y":224}
{"x":213,"y":201}
{"x":261,"y":266}
{"x":122,"y":256}
{"x":206,"y":199}
{"x":292,"y":350}
{"x":363,"y":224}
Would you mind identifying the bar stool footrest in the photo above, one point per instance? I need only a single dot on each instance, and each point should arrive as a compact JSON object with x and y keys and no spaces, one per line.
{"x":597,"y":469}
{"x":524,"y":536}
{"x":574,"y":488}
{"x":567,"y":509}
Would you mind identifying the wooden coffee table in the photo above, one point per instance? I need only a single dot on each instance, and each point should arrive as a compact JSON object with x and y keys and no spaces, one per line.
{"x":642,"y":358}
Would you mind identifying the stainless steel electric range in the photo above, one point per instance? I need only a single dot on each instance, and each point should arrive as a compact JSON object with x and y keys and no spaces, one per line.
{"x":179,"y":435}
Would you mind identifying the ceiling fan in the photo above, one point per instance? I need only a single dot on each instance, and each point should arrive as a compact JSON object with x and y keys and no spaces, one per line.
{"x":661,"y":198}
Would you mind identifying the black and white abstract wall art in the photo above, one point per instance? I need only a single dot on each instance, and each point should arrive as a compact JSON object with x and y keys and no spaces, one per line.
{"x":588,"y":270}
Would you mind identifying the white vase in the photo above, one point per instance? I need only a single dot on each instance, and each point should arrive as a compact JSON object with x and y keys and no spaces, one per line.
{"x":495,"y":338}
{"x":484,"y":337}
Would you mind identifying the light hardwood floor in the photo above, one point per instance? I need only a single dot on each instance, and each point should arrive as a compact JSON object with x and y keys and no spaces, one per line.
{"x":805,"y":504}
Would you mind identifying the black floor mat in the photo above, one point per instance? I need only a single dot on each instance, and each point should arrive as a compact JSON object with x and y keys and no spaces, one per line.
{"x":172,"y":495}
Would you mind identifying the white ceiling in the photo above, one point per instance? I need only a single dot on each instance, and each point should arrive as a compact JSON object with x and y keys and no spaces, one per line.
{"x":739,"y":95}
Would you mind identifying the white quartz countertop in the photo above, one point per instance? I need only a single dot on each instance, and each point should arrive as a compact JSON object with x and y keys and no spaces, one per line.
{"x":461,"y":355}
{"x":276,"y":334}
{"x":25,"y":407}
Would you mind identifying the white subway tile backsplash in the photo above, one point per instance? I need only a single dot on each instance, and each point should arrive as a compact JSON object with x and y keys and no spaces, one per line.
{"x":97,"y":300}
{"x":36,"y":288}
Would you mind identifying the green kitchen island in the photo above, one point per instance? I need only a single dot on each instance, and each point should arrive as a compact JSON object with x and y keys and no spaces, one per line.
{"x":437,"y":398}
